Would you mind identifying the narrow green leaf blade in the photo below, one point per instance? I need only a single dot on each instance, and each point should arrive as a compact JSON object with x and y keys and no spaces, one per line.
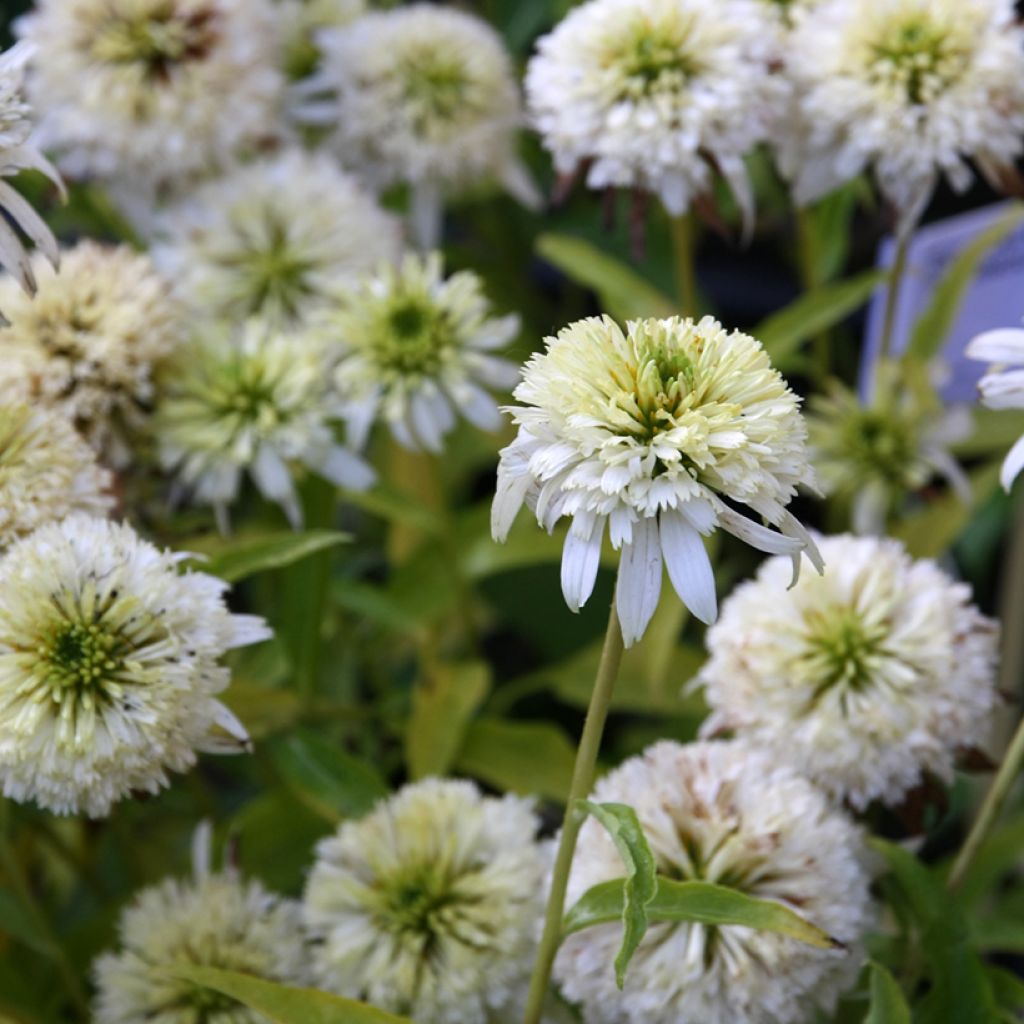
{"x":234,"y":559}
{"x":888,"y":1005}
{"x":641,"y":883}
{"x":285,"y":1004}
{"x":700,"y":902}
{"x":18,"y":923}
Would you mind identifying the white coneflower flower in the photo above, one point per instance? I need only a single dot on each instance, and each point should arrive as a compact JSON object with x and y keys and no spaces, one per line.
{"x":1001,"y":388}
{"x":276,"y":238}
{"x":657,"y":94}
{"x":911,"y":89}
{"x":723,"y":813}
{"x":863,"y":679}
{"x":87,"y":343}
{"x":416,"y":350}
{"x":257,"y":402}
{"x":109,"y":666}
{"x":16,"y":154}
{"x":873,"y":454}
{"x":46,"y":472}
{"x":149,"y":92}
{"x":426,"y":95}
{"x":429,"y":906}
{"x":213,"y":920}
{"x":657,"y":432}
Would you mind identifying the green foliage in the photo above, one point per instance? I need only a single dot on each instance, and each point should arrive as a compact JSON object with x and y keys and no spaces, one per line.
{"x":236,"y":558}
{"x":888,"y":1005}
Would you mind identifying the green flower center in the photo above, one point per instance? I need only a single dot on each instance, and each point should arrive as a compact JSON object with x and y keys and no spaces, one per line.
{"x":883,"y":443}
{"x":79,"y":656}
{"x":413,"y":337}
{"x":919,"y":58}
{"x":419,"y":901}
{"x":435,"y":87}
{"x":654,"y":61}
{"x":842,"y":649}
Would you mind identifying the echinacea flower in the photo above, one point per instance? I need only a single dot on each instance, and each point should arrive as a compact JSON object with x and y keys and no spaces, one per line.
{"x":416,"y":350}
{"x":214,"y":919}
{"x":88,"y":342}
{"x":656,"y":432}
{"x":865,"y":679}
{"x":256,"y":401}
{"x":729,"y":814}
{"x":429,"y":905}
{"x":1002,"y":388}
{"x":109,"y":666}
{"x":657,"y":94}
{"x":46,"y":472}
{"x":275,"y":238}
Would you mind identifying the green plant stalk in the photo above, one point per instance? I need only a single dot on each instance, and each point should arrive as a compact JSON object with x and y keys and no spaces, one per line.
{"x":899,"y":270}
{"x":582,"y":782}
{"x":683,"y":252}
{"x":810,"y":278}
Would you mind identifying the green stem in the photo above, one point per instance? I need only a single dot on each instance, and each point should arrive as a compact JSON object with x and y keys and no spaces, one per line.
{"x":811,"y":278}
{"x":582,"y":782}
{"x":899,"y":269}
{"x":683,"y":249}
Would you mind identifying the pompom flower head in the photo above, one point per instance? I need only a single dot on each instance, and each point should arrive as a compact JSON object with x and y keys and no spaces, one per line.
{"x":416,"y":350}
{"x":212,"y":920}
{"x":109,"y":666}
{"x":727,"y":814}
{"x":657,"y":432}
{"x":257,"y":402}
{"x":657,"y":94}
{"x":910,"y":89}
{"x":88,"y":342}
{"x":46,"y":472}
{"x":276,"y":238}
{"x":429,"y":905}
{"x":863,"y":679}
{"x":152,"y":92}
{"x":1003,"y":386}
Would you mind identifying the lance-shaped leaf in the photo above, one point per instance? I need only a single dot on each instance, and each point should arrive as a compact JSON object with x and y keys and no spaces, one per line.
{"x":236,"y":558}
{"x":888,"y":1005}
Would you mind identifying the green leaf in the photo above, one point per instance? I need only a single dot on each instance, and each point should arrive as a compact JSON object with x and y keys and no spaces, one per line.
{"x":328,"y":780}
{"x":1008,"y":988}
{"x":524,"y":757}
{"x":935,"y":323}
{"x":285,"y":1004}
{"x":783,"y":332}
{"x":394,"y":505}
{"x":888,"y":1005}
{"x":21,"y":925}
{"x":442,"y":704}
{"x":624,"y":294}
{"x":641,"y":881}
{"x":263,"y":710}
{"x":700,"y":902}
{"x":233,"y":559}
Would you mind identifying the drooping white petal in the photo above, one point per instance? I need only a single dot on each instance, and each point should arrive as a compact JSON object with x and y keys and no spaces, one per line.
{"x":639,"y":583}
{"x":581,"y":557}
{"x":1004,"y":345}
{"x":689,"y":567}
{"x":758,"y":536}
{"x":346,"y":469}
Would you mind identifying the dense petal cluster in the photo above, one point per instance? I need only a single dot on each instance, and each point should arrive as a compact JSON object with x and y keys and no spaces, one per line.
{"x":864,"y":679}
{"x":87,"y":344}
{"x":910,"y":89}
{"x":1003,"y":388}
{"x":726,"y":813}
{"x":109,"y":666}
{"x":275,"y":238}
{"x":656,"y":432}
{"x":429,"y":905}
{"x":657,"y":94}
{"x":152,"y":91}
{"x":213,"y":920}
{"x":256,"y":401}
{"x":424,"y":94}
{"x":416,"y":350}
{"x":46,"y":472}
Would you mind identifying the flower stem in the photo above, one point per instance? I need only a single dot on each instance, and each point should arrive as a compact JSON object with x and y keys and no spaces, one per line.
{"x":683,"y":247}
{"x":810,"y":277}
{"x":898,"y":272}
{"x":582,"y":782}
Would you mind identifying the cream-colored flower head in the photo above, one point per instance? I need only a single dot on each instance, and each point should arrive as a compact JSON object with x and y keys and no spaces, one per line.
{"x":657,"y":94}
{"x":429,"y":906}
{"x":152,"y":91}
{"x":658,"y":432}
{"x":417,"y":351}
{"x":909,"y":89}
{"x":725,"y":813}
{"x":46,"y":472}
{"x":17,"y":153}
{"x":87,"y":344}
{"x":256,"y":402}
{"x":109,"y":666}
{"x":864,"y":679}
{"x":423,"y":94}
{"x":211,"y":920}
{"x":276,"y":239}
{"x":1003,"y":386}
{"x":872,"y":454}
